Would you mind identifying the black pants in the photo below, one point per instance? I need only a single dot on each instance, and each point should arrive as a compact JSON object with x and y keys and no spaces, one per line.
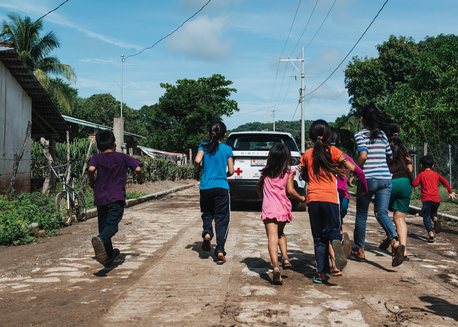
{"x":109,"y":217}
{"x":215,"y":205}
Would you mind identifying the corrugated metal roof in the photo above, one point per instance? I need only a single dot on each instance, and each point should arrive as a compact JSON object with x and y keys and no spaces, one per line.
{"x":78,"y":121}
{"x":46,"y":120}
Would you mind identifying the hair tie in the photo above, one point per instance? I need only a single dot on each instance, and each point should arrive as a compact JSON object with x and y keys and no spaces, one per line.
{"x":397,"y":134}
{"x":213,"y":132}
{"x":320,"y":137}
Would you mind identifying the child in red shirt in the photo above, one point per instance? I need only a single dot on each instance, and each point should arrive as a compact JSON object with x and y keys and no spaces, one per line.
{"x":429,"y":181}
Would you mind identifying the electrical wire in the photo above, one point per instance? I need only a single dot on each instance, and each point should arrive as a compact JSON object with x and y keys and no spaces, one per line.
{"x":63,"y":3}
{"x":354,"y":46}
{"x":322,"y":23}
{"x":291,"y":27}
{"x":164,"y":37}
{"x":305,"y":28}
{"x":297,"y":106}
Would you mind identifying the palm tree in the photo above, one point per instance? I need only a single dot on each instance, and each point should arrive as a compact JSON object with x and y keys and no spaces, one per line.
{"x":33,"y":50}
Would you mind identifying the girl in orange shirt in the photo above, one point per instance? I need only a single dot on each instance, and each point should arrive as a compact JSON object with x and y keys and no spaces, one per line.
{"x":320,"y":164}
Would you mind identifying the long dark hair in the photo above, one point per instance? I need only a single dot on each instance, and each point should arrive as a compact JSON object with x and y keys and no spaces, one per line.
{"x":375,"y":121}
{"x":278,"y":161}
{"x":400,"y":150}
{"x":320,"y":134}
{"x":216,"y":133}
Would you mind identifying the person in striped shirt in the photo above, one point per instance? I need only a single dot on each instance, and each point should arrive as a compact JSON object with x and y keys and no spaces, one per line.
{"x":373,"y":151}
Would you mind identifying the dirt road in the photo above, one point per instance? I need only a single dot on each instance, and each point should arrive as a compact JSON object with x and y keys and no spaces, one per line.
{"x":162,"y":278}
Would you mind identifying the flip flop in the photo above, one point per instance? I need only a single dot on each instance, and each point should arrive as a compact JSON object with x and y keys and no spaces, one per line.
{"x":356,"y":256}
{"x":220,"y":259}
{"x":336,"y":273}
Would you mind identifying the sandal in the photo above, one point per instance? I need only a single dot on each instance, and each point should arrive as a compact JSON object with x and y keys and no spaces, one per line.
{"x":206,"y":244}
{"x":276,"y":276}
{"x":220,"y":259}
{"x":286,"y":263}
{"x":437,"y":226}
{"x":398,"y":255}
{"x":336,"y":273}
{"x":319,"y":278}
{"x":431,"y":239}
{"x":384,"y":244}
{"x":356,"y":255}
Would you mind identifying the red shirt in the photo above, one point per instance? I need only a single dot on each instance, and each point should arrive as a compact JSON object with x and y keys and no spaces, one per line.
{"x":429,"y":181}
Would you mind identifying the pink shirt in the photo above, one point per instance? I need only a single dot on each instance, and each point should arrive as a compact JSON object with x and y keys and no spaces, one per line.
{"x":275,"y":202}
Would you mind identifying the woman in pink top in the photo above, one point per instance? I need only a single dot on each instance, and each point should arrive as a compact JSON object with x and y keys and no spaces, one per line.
{"x":274,"y":186}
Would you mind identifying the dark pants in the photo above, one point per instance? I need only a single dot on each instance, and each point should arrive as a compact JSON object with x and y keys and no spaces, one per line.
{"x":325,"y":224}
{"x":428,"y":211}
{"x":215,"y":205}
{"x":109,"y":217}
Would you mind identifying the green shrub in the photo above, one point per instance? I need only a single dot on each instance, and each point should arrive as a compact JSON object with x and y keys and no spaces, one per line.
{"x":162,"y":169}
{"x":26,"y":217}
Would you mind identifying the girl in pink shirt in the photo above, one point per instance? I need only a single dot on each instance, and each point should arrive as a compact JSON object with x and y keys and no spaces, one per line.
{"x":274,"y":186}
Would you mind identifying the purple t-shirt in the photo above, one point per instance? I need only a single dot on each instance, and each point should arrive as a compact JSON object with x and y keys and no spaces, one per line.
{"x":110,"y":184}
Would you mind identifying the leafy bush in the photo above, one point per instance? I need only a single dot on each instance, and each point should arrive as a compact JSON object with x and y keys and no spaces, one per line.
{"x":162,"y":169}
{"x":26,"y":217}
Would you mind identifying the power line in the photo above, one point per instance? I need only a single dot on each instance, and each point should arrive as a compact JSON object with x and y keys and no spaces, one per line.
{"x":291,"y":27}
{"x":354,"y":46}
{"x":63,"y":3}
{"x":305,"y":28}
{"x":322,"y":23}
{"x":176,"y":29}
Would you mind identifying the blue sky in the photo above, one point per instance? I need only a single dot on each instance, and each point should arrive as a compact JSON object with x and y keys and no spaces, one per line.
{"x":240,"y":39}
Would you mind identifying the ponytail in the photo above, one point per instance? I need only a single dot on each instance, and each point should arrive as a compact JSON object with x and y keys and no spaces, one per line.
{"x":215,"y":134}
{"x":320,"y":133}
{"x":400,"y":150}
{"x":375,"y":121}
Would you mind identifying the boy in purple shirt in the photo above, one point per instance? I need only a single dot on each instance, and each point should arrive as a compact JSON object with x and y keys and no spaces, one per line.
{"x":109,"y":192}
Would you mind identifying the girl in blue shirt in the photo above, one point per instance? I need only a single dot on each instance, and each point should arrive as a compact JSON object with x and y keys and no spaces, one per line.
{"x":217,"y":161}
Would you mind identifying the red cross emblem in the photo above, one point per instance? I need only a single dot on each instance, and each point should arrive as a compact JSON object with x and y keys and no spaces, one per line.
{"x":238,"y":171}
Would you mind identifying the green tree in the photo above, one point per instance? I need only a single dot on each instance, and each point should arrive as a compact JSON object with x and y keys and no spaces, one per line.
{"x":416,"y":84}
{"x":34,"y":50}
{"x":181,"y":118}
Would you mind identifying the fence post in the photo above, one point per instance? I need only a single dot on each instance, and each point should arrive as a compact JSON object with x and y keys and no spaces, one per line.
{"x":450,"y":163}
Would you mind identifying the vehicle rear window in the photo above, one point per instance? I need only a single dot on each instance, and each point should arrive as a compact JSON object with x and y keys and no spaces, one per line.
{"x":262,"y":142}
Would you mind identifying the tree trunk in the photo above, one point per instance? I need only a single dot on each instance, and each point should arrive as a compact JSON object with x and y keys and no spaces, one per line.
{"x":17,"y":159}
{"x":46,"y":145}
{"x":69,"y":165}
{"x":86,"y":160}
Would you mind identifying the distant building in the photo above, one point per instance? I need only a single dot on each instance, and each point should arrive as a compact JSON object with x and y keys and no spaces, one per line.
{"x":22,"y":99}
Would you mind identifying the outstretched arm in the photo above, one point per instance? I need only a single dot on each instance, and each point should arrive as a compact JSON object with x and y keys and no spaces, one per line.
{"x":139,"y":173}
{"x":91,"y":176}
{"x":198,"y":160}
{"x":230,"y":166}
{"x":292,"y":191}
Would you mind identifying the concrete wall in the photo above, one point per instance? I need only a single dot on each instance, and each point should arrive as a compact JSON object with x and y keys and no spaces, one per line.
{"x":15,"y":112}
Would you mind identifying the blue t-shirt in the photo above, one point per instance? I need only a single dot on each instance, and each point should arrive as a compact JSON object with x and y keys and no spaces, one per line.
{"x":214,"y":173}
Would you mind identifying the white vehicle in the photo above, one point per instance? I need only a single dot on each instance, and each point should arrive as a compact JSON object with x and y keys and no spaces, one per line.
{"x":250,"y":156}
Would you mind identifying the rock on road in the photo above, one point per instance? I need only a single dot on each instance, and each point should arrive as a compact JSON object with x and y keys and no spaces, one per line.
{"x":163,"y":278}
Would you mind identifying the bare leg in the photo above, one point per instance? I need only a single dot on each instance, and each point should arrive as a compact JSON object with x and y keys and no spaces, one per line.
{"x":271,"y":226}
{"x":333,"y":259}
{"x":282,"y":240}
{"x":401,"y":228}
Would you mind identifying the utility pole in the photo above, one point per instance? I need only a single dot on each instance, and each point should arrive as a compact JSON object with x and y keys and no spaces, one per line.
{"x":273,"y":112}
{"x":122,"y":61}
{"x":302,"y":95}
{"x":118,"y":123}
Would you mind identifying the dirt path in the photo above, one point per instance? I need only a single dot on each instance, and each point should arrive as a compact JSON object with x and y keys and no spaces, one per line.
{"x":163,"y":278}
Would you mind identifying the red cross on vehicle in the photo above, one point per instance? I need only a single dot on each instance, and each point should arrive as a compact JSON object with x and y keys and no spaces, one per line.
{"x":238,"y":171}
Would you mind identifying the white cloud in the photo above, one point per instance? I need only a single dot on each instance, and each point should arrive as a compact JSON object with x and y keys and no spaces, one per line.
{"x":30,"y":7}
{"x":98,"y":61}
{"x":201,"y":38}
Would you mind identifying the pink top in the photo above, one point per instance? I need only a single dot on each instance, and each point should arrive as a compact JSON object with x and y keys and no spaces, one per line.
{"x":342,"y":181}
{"x":275,"y":203}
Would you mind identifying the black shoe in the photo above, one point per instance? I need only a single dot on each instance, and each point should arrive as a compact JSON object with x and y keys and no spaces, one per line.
{"x":116,"y":252}
{"x":437,"y":226}
{"x":431,"y":239}
{"x":398,"y":256}
{"x":99,"y":250}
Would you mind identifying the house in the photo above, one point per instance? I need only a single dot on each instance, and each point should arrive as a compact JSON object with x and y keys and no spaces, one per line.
{"x":22,"y":99}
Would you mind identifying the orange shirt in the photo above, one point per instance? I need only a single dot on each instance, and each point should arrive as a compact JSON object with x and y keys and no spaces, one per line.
{"x":322,"y":189}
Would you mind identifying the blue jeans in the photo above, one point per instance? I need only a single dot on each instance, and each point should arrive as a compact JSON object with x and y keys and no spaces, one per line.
{"x":381,"y":188}
{"x":343,"y":208}
{"x":429,"y":211}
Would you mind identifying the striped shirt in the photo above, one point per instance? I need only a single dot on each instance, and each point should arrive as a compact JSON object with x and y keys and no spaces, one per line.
{"x":375,"y":167}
